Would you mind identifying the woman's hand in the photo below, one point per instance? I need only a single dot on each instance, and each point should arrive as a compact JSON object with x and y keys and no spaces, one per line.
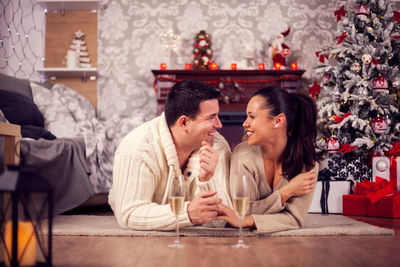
{"x":300,"y":185}
{"x":227,"y":214}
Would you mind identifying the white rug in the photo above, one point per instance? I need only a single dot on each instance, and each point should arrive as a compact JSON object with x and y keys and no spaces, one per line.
{"x":315,"y":225}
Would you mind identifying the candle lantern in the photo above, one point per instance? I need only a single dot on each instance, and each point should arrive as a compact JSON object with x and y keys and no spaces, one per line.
{"x":26,"y":217}
{"x":213,"y":66}
{"x":233,"y":66}
{"x":163,"y":66}
{"x":293,"y":66}
{"x":277,"y":66}
{"x":188,"y":66}
{"x":261,"y":66}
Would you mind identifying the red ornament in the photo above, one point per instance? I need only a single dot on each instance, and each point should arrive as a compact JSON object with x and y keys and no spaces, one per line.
{"x":379,"y":125}
{"x":362,"y":10}
{"x":332,"y":144}
{"x":380,"y":84}
{"x":346,"y":148}
{"x":326,"y":77}
{"x":396,"y":16}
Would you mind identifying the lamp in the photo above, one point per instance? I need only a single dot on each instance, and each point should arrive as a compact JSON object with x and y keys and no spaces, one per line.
{"x":26,"y":201}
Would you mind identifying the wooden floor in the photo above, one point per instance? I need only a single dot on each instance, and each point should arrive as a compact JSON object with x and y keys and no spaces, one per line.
{"x":207,"y":251}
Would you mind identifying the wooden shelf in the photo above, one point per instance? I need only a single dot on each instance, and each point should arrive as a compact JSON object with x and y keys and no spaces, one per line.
{"x":68,"y":72}
{"x":69,"y":4}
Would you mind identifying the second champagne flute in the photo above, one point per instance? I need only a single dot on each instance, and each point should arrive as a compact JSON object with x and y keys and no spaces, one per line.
{"x":241,"y":205}
{"x":177,"y":202}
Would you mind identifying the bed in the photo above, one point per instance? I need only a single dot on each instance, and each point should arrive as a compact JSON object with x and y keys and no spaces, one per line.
{"x":61,"y":137}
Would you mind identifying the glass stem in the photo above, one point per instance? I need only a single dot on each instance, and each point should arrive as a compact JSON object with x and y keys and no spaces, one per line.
{"x":177,"y":229}
{"x":240,"y":230}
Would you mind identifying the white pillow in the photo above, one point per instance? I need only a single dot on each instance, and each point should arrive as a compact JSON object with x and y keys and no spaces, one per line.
{"x":57,"y":118}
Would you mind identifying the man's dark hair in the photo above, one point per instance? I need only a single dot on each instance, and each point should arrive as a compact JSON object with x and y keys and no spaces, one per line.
{"x":185,"y":98}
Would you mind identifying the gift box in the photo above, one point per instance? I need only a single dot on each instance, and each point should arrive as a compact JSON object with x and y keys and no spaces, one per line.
{"x":388,"y":206}
{"x":328,"y":196}
{"x":377,"y":199}
{"x":355,"y":205}
{"x":387,"y":168}
{"x":349,"y":166}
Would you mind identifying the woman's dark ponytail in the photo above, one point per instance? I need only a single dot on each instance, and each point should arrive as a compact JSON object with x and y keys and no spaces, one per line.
{"x":301,"y":116}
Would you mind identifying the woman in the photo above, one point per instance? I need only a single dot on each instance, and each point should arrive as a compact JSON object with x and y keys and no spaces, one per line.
{"x":278,"y":160}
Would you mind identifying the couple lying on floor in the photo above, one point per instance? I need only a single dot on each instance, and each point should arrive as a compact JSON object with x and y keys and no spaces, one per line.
{"x":278,"y":159}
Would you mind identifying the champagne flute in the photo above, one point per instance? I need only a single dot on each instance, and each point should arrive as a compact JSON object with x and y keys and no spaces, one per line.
{"x":177,"y":202}
{"x":241,"y":205}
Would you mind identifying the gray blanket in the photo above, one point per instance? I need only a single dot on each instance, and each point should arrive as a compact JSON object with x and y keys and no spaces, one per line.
{"x":62,"y":163}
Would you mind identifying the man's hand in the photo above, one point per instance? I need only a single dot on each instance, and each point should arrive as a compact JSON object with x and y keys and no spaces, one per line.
{"x":203,"y":208}
{"x":208,"y":161}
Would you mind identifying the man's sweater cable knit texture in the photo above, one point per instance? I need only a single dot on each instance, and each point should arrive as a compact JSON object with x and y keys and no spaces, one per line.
{"x":143,"y":164}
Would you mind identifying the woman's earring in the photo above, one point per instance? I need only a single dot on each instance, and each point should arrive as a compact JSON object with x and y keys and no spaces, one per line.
{"x":276,"y":126}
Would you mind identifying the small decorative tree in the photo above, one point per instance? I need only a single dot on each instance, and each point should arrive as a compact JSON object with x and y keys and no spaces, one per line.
{"x":203,"y":55}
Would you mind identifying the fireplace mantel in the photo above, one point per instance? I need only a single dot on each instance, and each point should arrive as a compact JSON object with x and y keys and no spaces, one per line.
{"x":232,"y":113}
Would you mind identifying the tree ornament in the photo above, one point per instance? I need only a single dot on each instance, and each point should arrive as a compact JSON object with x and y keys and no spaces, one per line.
{"x":356,"y":67}
{"x":381,"y":165}
{"x":326,"y":77}
{"x":362,"y":11}
{"x":380,"y":84}
{"x":379,"y":125}
{"x":366,"y":59}
{"x":332,"y":144}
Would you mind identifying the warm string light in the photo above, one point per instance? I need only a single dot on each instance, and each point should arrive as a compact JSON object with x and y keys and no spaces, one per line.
{"x":21,"y":58}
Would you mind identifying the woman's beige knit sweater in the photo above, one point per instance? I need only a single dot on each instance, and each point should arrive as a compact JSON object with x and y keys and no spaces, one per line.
{"x":142,"y":170}
{"x":265,"y":202}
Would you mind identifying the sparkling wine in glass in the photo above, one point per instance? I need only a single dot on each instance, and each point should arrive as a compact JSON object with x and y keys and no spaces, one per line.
{"x":240,"y":205}
{"x":177,"y":202}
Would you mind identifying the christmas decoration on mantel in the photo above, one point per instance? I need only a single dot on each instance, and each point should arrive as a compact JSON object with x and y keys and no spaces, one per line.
{"x":358,"y":94}
{"x":77,"y":56}
{"x":169,"y":42}
{"x":203,"y":55}
{"x":279,"y":51}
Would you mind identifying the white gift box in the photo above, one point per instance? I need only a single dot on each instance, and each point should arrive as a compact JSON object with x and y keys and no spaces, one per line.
{"x":387,"y":168}
{"x":334,"y":201}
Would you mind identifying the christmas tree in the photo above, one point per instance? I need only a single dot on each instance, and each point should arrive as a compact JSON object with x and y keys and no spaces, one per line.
{"x":80,"y":50}
{"x":203,"y":55}
{"x":358,"y":96}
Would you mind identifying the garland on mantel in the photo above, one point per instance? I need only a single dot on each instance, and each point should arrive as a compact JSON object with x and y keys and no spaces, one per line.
{"x":281,"y":78}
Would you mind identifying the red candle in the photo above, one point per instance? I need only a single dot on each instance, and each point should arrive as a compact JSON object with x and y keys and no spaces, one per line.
{"x":163,"y":66}
{"x":213,"y":66}
{"x":188,"y":66}
{"x":261,"y":66}
{"x":277,"y":66}
{"x":233,"y":66}
{"x":293,"y":65}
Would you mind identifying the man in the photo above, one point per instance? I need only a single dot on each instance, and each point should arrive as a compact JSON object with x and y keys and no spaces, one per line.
{"x":182,"y":140}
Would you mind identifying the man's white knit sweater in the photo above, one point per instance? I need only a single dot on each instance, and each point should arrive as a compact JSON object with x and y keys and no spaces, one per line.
{"x":143,"y":166}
